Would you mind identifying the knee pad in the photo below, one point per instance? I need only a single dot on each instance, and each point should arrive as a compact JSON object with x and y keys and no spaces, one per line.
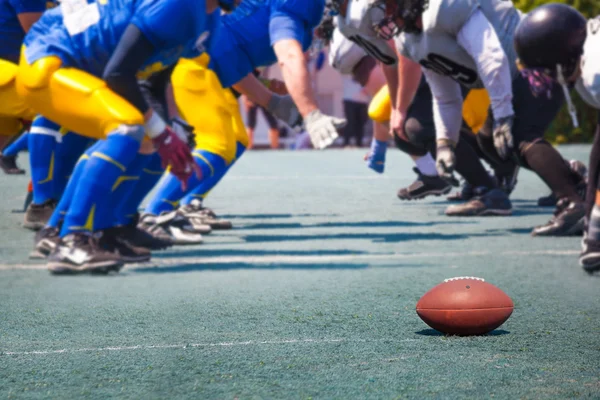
{"x":74,"y":98}
{"x":418,"y":135}
{"x":11,"y":103}
{"x":380,"y":107}
{"x":409,"y":148}
{"x":203,"y":103}
{"x":475,"y":108}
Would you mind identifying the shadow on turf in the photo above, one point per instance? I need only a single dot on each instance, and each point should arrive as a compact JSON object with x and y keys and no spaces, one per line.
{"x":248,"y":266}
{"x":433,"y":332}
{"x":207,"y":252}
{"x":274,"y":216}
{"x":374,"y":237}
{"x":363,"y":224}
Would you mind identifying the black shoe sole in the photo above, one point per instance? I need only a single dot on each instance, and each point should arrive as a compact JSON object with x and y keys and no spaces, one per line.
{"x":421,"y":196}
{"x":135,"y":259}
{"x":485,"y":213}
{"x":104,"y":267}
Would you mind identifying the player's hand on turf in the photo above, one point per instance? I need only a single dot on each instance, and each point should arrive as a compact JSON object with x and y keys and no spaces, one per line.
{"x":375,"y":158}
{"x":446,"y":161}
{"x":184,"y":131}
{"x":503,"y":138}
{"x":177,"y":154}
{"x":323,"y":129}
{"x":284,"y":108}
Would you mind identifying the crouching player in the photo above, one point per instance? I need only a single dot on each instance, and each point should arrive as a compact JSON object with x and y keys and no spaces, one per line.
{"x":256,"y":34}
{"x":16,"y":17}
{"x":80,"y":69}
{"x":556,"y":46}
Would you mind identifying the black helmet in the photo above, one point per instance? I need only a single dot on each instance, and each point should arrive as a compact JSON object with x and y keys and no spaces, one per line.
{"x":409,"y":11}
{"x":551,"y":36}
{"x":549,"y":43}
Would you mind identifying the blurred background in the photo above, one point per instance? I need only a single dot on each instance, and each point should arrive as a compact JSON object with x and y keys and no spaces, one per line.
{"x":339,"y":95}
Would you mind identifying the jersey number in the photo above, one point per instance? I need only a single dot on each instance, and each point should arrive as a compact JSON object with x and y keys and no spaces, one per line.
{"x":373,"y":50}
{"x":444,"y":66}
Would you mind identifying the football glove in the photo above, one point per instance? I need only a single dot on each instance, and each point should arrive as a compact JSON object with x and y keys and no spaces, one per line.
{"x":184,"y":131}
{"x":322,"y":129}
{"x":176,"y":153}
{"x":503,"y":138}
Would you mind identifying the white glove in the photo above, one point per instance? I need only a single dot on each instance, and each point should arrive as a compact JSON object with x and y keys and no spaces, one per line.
{"x":322,"y":129}
{"x":503,"y":138}
{"x":446,"y":161}
{"x":284,"y":108}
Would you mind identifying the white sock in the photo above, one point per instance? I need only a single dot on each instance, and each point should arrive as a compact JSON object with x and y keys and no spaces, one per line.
{"x":426,"y":165}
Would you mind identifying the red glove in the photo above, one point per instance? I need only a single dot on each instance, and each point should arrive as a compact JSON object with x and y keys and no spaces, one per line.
{"x":176,"y":154}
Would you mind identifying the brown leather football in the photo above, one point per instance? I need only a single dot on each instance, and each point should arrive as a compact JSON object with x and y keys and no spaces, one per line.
{"x":465,"y":306}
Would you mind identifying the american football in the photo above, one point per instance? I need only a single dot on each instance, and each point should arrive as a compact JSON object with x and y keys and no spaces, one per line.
{"x":465,"y":306}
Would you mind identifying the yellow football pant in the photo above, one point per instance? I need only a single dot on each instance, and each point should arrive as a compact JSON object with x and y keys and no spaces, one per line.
{"x":475,"y":107}
{"x":74,"y":99}
{"x":13,"y":108}
{"x":207,"y":106}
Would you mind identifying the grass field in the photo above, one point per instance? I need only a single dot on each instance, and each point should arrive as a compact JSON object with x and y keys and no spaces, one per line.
{"x":312,"y":295}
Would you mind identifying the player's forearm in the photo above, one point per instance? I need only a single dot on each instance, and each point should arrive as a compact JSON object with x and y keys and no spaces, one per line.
{"x":295,"y":74}
{"x":254,"y":90}
{"x":409,"y":78}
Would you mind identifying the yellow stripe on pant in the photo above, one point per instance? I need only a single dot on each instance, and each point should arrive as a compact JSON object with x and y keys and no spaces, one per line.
{"x":206,"y":105}
{"x":475,"y":107}
{"x":13,"y":107}
{"x":72,"y":98}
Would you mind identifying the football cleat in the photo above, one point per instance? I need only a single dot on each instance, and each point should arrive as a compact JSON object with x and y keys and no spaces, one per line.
{"x":199,"y":215}
{"x":81,"y":253}
{"x":580,"y":174}
{"x":170,"y":226}
{"x":112,"y":240}
{"x":568,"y":220}
{"x":589,"y":259}
{"x":485,"y":203}
{"x":46,"y":240}
{"x":424,"y":186}
{"x":37,"y":215}
{"x":141,"y":238}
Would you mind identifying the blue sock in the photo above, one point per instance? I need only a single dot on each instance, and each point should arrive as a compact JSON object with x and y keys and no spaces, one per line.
{"x":148,"y":179}
{"x":90,"y":208}
{"x":66,"y":154}
{"x":125,"y":186}
{"x":201,"y":191}
{"x":42,"y":143}
{"x":376,"y":158}
{"x":19,"y":145}
{"x":169,"y":188}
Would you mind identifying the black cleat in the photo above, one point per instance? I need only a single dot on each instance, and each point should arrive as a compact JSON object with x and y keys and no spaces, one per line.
{"x":113,"y":241}
{"x":508,"y":182}
{"x":547,"y":201}
{"x":568,"y":220}
{"x":46,"y":241}
{"x":81,"y":253}
{"x":589,"y":259}
{"x":37,"y":215}
{"x":8,"y":164}
{"x":140,"y":238}
{"x":466,"y":193}
{"x":170,"y":226}
{"x":485,"y":203}
{"x":424,"y":186}
{"x":199,"y":215}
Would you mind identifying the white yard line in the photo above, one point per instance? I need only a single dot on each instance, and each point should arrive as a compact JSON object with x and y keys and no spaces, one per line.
{"x":193,"y":345}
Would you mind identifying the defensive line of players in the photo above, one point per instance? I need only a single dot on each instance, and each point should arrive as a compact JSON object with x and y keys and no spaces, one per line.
{"x":115,"y":72}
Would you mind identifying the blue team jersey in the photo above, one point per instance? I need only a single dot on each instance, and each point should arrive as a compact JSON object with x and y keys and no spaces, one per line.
{"x":246,"y":36}
{"x":11,"y":32}
{"x":85,"y":33}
